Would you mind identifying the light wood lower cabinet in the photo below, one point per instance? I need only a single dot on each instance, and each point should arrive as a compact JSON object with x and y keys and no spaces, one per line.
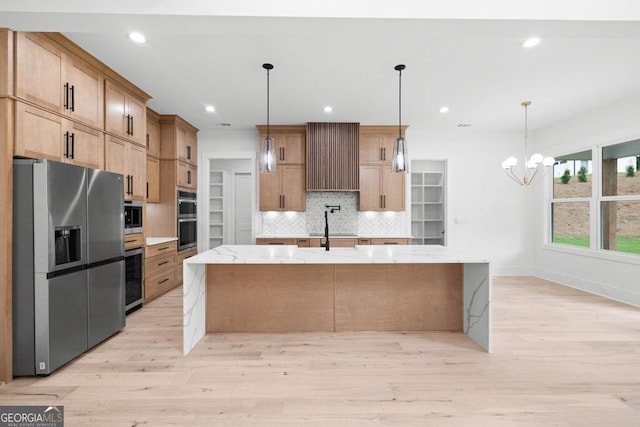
{"x":180,"y":257}
{"x":335,"y":242}
{"x":159,"y":269}
{"x":132,"y":241}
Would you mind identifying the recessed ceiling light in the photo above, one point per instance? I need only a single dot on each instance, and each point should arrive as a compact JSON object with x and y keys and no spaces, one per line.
{"x":444,"y":109}
{"x":224,"y":124}
{"x":210,"y":108}
{"x":464,"y":125}
{"x":137,"y":37}
{"x":531,"y":42}
{"x":328,"y":109}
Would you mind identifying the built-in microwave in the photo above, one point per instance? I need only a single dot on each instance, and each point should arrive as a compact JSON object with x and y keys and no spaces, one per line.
{"x":132,"y":216}
{"x":187,"y":205}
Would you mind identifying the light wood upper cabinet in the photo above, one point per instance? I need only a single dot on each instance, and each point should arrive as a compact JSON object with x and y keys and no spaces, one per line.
{"x":283,"y":190}
{"x":187,"y":175}
{"x":290,"y":143}
{"x":51,"y":78}
{"x":179,"y":139}
{"x":153,"y":179}
{"x":153,"y":133}
{"x":130,"y":160}
{"x":187,"y":144}
{"x":381,"y":189}
{"x":376,"y":144}
{"x":39,"y":71}
{"x":44,"y":135}
{"x":125,"y":115}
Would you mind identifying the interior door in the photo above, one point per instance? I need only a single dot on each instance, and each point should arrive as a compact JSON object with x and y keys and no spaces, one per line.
{"x":243,"y":209}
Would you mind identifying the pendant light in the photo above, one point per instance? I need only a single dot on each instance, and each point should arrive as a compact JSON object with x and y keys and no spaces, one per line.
{"x":268,"y":150}
{"x":400,"y":158}
{"x":531,"y":166}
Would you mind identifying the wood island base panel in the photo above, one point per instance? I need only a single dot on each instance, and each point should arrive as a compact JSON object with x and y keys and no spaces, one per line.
{"x":366,"y":288}
{"x":334,"y":298}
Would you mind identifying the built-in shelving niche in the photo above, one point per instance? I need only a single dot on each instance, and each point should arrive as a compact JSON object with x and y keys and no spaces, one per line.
{"x":216,"y":208}
{"x":428,"y":207}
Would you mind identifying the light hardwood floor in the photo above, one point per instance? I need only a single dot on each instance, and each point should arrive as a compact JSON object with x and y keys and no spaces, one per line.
{"x":561,"y":358}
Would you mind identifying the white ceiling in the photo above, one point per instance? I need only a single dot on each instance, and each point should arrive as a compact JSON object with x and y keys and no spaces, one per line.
{"x":476,"y":67}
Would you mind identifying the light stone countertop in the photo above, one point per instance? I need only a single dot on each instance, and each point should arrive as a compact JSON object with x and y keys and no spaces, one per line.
{"x":159,"y":240}
{"x":367,"y":254}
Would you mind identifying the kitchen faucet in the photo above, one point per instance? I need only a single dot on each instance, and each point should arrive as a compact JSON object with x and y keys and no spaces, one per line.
{"x":331,"y":208}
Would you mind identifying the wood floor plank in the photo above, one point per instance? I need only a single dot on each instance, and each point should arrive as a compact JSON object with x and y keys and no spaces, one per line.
{"x":561,"y":357}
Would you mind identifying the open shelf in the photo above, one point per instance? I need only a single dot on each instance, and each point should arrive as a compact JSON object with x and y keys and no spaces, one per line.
{"x":427,"y":202}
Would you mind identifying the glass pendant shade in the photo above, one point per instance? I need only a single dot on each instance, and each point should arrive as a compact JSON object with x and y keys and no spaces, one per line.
{"x":268,"y":159}
{"x":400,"y":156}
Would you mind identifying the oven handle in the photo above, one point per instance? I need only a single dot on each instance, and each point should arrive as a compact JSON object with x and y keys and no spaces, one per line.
{"x":187,"y":220}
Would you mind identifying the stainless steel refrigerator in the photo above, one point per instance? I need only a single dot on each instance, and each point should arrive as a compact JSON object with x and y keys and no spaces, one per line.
{"x":68,"y":262}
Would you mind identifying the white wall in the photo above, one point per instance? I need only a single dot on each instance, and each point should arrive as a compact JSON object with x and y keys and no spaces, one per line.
{"x":498,"y":220}
{"x":606,"y":273}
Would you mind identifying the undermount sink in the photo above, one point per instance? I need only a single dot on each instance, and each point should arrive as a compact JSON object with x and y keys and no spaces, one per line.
{"x":334,"y":235}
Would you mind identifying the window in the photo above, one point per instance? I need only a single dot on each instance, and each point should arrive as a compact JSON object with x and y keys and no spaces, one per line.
{"x":572,"y":192}
{"x":615,"y":200}
{"x":620,"y":202}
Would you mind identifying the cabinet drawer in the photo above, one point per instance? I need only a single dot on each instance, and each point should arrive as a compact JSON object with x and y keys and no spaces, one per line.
{"x":158,"y":264}
{"x":160,"y":249}
{"x":277,"y":241}
{"x":158,"y":284}
{"x":392,"y":241}
{"x":133,"y":241}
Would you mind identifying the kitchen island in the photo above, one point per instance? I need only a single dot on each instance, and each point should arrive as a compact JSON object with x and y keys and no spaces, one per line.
{"x":367,"y":288}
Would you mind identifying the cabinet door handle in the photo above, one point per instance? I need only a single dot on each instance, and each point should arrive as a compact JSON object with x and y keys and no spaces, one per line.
{"x":384,"y":198}
{"x":188,"y":177}
{"x":164,"y":249}
{"x":131,"y":125}
{"x":284,"y":154}
{"x":381,"y":203}
{"x":381,"y":153}
{"x":163,"y":263}
{"x":131,"y":185}
{"x":73,"y":144}
{"x":147,"y":141}
{"x":130,"y":241}
{"x":147,"y":189}
{"x":66,"y":96}
{"x":162,"y":281}
{"x":73,"y":98}
{"x":66,"y":145}
{"x":188,"y":152}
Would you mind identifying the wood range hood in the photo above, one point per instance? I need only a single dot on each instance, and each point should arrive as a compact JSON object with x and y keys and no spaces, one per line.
{"x":332,"y":156}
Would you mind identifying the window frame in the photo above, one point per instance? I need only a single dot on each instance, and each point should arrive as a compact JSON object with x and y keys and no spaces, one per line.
{"x":595,"y":201}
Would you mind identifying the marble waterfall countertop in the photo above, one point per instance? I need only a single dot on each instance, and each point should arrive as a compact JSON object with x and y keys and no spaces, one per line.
{"x":366,"y":254}
{"x":476,"y":277}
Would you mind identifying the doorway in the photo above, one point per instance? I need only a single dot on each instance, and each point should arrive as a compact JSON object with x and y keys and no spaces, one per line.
{"x":230,"y":202}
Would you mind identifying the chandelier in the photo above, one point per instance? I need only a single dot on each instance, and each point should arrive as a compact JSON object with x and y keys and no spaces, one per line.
{"x":531,"y":166}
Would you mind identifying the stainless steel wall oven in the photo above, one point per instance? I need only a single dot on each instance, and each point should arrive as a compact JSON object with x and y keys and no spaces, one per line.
{"x":132,"y":216}
{"x":187,"y":222}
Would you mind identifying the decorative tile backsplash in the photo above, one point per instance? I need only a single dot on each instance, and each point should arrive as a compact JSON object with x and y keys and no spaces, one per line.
{"x":340,"y":222}
{"x":348,"y":220}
